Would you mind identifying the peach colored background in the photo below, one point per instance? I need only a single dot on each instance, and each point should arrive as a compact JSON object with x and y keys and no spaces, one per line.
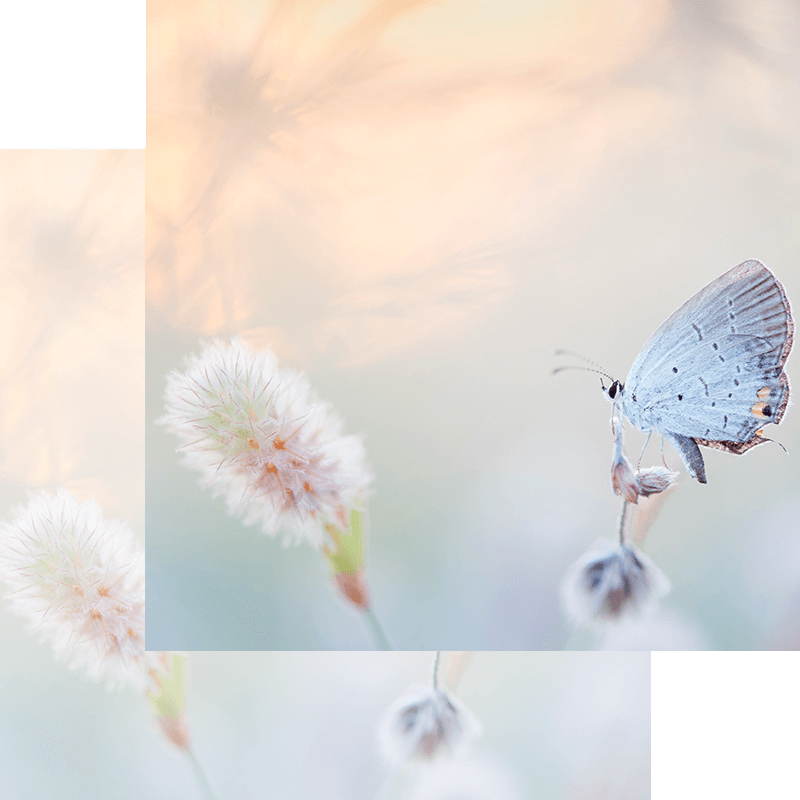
{"x":71,"y":331}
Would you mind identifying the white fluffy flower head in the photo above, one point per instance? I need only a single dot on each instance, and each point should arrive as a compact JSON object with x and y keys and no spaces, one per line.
{"x":425,"y":723}
{"x":610,"y":583}
{"x":79,"y":580}
{"x":259,"y":436}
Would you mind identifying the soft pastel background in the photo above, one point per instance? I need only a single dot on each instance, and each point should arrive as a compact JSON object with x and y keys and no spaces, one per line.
{"x":71,"y":414}
{"x":417,"y":203}
{"x":274,"y":726}
{"x":71,"y":328}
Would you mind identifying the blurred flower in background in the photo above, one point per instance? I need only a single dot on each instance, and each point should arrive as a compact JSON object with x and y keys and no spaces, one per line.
{"x":429,"y":722}
{"x":79,"y":581}
{"x":610,"y":583}
{"x":425,"y":723}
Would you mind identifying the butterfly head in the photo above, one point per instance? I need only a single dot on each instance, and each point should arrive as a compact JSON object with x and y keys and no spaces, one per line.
{"x":614,"y":391}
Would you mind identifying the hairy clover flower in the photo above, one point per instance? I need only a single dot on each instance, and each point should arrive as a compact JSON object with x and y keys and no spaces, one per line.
{"x":259,"y":436}
{"x":79,"y":581}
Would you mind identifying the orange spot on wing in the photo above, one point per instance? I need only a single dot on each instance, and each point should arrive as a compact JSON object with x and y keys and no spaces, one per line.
{"x":758,"y":410}
{"x":764,"y":391}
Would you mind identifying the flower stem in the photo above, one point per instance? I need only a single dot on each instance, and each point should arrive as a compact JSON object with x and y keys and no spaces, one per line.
{"x":376,"y":631}
{"x":436,"y":669}
{"x":205,"y":784}
{"x":622,"y":522}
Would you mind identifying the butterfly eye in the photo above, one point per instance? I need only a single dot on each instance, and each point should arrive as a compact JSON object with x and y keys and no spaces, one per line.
{"x":612,"y":390}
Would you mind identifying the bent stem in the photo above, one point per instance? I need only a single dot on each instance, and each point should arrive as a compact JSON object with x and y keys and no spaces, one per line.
{"x":205,"y":784}
{"x":376,"y":631}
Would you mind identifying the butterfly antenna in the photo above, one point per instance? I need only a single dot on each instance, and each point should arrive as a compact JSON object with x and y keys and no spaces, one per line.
{"x":602,"y":370}
{"x":597,"y":368}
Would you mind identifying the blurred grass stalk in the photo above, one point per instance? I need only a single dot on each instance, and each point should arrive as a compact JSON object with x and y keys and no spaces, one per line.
{"x":167,"y":698}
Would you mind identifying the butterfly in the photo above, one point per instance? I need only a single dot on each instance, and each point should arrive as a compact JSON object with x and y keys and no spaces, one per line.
{"x":713,"y":373}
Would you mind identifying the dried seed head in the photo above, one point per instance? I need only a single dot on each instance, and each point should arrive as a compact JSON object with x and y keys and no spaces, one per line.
{"x":425,"y":723}
{"x":611,"y":583}
{"x":654,"y":480}
{"x":623,"y":478}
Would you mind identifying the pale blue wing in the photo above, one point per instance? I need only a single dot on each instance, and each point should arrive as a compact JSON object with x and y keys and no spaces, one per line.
{"x":713,"y":372}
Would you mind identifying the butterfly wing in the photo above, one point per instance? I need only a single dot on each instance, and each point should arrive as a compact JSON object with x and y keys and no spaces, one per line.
{"x":712,"y":374}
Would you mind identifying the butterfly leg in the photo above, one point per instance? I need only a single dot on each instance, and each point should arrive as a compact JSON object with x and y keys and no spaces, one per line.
{"x":641,"y":455}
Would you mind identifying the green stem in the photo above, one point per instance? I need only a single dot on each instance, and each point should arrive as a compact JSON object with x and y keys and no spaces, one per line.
{"x":205,"y":784}
{"x":376,"y":631}
{"x":436,"y":669}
